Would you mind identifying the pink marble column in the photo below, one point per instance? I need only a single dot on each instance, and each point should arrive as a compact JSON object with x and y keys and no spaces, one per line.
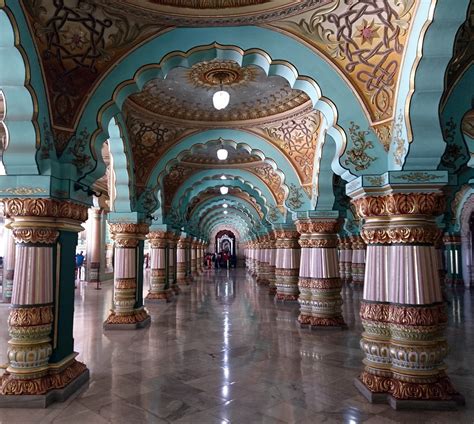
{"x":194,"y":257}
{"x":271,"y":252}
{"x":8,"y":264}
{"x":319,"y":282}
{"x":287,"y":263}
{"x":358,"y":260}
{"x":125,"y":313}
{"x":32,"y":377}
{"x":181,"y":277}
{"x":403,"y":312}
{"x":159,"y":290}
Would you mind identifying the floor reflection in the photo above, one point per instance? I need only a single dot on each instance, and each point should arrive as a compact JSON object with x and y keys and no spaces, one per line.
{"x":225,"y":352}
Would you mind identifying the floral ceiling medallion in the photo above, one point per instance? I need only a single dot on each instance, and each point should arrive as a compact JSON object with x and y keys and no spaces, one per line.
{"x":216,"y":72}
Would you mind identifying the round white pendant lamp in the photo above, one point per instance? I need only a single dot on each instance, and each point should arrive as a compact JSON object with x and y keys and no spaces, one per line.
{"x":222,"y":154}
{"x":225,"y":212}
{"x":224,"y":190}
{"x":225,"y":205}
{"x":220,"y":99}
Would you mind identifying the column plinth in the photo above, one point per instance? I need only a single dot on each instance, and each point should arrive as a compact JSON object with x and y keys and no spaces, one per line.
{"x":127,"y":313}
{"x":402,"y":311}
{"x":319,"y":281}
{"x":287,"y":262}
{"x":41,"y":362}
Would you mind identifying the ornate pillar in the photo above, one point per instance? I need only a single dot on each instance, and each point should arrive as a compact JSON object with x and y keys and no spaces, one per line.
{"x":319,"y":282}
{"x":271,"y":255}
{"x":439,"y":247}
{"x":287,"y":264}
{"x":41,"y":360}
{"x":188,"y":259}
{"x":8,"y":264}
{"x":345,"y":259}
{"x":251,"y":255}
{"x":94,"y":245}
{"x":128,"y":311}
{"x":159,"y":287}
{"x":358,"y":260}
{"x":402,"y":311}
{"x":181,"y":261}
{"x":172,"y":261}
{"x":263,"y":272}
{"x":452,"y":243}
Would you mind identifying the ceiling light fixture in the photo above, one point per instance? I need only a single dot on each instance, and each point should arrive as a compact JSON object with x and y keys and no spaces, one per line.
{"x":225,"y":205}
{"x":223,"y":177}
{"x":221,"y":152}
{"x":225,"y":212}
{"x":224,"y":190}
{"x":221,"y":98}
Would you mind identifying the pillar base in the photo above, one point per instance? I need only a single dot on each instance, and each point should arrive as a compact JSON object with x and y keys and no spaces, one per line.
{"x":43,"y":391}
{"x":307,"y":321}
{"x":455,"y":402}
{"x":282,"y":297}
{"x":161,"y":297}
{"x":136,"y":319}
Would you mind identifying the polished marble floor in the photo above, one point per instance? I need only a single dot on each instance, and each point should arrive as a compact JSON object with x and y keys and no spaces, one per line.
{"x":224,"y":352}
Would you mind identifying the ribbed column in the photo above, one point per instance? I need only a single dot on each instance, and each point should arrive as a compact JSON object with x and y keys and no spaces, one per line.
{"x":402,"y":311}
{"x":345,"y":259}
{"x":358,"y":260}
{"x":287,"y":264}
{"x":452,"y":243}
{"x":127,"y":311}
{"x":181,"y":261}
{"x":159,"y":288}
{"x":172,"y":261}
{"x":188,"y":259}
{"x":319,"y":282}
{"x":271,"y":256}
{"x":37,"y":324}
{"x":8,"y":264}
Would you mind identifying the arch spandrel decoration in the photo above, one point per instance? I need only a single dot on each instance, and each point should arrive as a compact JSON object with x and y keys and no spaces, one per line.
{"x":350,"y":112}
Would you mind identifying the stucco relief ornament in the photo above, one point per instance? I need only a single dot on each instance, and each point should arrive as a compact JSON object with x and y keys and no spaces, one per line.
{"x":398,"y":143}
{"x":454,"y":153}
{"x":294,"y":197}
{"x":357,"y":156}
{"x":78,"y":150}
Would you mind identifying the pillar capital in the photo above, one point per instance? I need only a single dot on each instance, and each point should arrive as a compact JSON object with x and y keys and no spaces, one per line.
{"x":127,"y":234}
{"x":157,"y":239}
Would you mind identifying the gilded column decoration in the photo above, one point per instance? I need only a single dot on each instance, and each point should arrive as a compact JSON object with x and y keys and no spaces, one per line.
{"x":172,"y":261}
{"x":126,"y":313}
{"x":452,"y":243}
{"x":345,"y":259}
{"x":287,"y":263}
{"x":181,"y":261}
{"x":319,"y":282}
{"x":8,"y":264}
{"x":159,"y":289}
{"x":36,"y":225}
{"x":358,"y":259}
{"x":403,"y":312}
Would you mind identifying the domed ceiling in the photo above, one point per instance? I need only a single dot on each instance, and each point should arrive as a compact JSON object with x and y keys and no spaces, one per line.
{"x":186,"y":94}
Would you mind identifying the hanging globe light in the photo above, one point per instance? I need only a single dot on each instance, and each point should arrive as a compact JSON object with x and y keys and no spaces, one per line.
{"x":220,"y":99}
{"x":222,"y":154}
{"x":224,"y":190}
{"x":225,"y":212}
{"x":223,"y":177}
{"x":225,"y":205}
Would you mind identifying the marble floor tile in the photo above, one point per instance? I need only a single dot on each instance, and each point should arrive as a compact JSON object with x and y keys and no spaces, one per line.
{"x":240,"y":358}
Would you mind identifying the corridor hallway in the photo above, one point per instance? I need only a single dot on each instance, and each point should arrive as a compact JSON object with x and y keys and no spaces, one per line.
{"x":224,"y":351}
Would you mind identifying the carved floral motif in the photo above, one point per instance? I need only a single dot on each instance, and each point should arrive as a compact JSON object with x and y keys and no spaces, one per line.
{"x":357,"y":156}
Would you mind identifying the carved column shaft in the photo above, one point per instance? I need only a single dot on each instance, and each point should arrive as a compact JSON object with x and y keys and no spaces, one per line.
{"x":402,"y":311}
{"x":159,"y":288}
{"x":271,"y":265}
{"x":8,"y":264}
{"x":263,"y":274}
{"x":287,"y":263}
{"x":181,"y":261}
{"x":194,"y":257}
{"x":319,"y":282}
{"x":345,"y":259}
{"x":37,"y":225}
{"x":94,"y":246}
{"x":126,"y":312}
